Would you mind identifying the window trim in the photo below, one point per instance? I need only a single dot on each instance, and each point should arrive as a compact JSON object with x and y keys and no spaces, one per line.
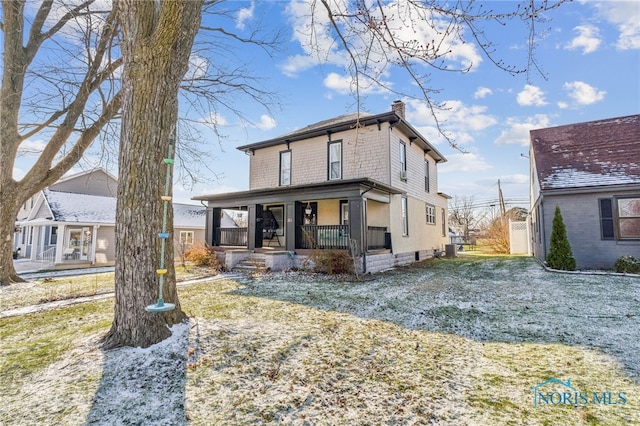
{"x":404,"y":212}
{"x":280,"y":180}
{"x":329,"y":145}
{"x":617,"y":218}
{"x":614,"y":218}
{"x":431,"y":207}
{"x":185,"y":240}
{"x":402,"y":154}
{"x":427,"y":184}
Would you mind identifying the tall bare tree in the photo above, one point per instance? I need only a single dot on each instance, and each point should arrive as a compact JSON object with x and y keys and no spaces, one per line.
{"x":156,"y":44}
{"x":464,"y":212}
{"x":69,"y":109}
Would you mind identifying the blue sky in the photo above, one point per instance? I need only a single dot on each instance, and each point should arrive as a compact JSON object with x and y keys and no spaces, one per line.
{"x":590,"y":56}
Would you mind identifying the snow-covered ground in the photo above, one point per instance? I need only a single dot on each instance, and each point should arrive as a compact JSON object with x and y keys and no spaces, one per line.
{"x":451,"y":342}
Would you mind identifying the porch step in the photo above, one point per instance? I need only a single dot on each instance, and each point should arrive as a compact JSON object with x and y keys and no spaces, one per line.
{"x":252,"y":263}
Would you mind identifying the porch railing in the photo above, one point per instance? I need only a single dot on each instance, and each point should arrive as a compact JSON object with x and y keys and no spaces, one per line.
{"x":324,"y":237}
{"x":232,"y":236}
{"x":47,"y":257}
{"x":376,"y":238}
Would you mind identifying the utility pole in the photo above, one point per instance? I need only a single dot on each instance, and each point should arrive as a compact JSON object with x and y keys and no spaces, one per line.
{"x":503,"y":210}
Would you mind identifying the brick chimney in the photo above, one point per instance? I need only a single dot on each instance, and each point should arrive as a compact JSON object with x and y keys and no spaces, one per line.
{"x":398,"y":108}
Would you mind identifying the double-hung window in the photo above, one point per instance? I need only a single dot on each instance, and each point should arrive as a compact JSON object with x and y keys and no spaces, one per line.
{"x":403,"y":161}
{"x":620,"y":218}
{"x":285,"y":168}
{"x":335,"y":160}
{"x":405,"y":217}
{"x":431,"y":214}
{"x":426,"y":175}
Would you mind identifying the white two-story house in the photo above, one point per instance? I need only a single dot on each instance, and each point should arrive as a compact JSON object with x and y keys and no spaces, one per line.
{"x":360,"y":182}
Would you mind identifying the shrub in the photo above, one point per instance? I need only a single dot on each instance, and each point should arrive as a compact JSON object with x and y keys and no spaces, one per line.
{"x":201,"y":255}
{"x":332,"y":262}
{"x":560,"y":255}
{"x":627,"y":264}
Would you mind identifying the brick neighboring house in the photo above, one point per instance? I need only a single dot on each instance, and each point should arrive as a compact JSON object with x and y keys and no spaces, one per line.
{"x":72,"y":222}
{"x":592,"y":171}
{"x":366,"y":183}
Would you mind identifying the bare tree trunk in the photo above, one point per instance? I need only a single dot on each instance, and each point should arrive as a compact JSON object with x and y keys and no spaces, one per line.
{"x":8,"y":212}
{"x":157,"y":41}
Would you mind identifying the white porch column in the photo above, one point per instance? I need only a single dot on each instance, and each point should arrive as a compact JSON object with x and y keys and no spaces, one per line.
{"x":94,"y":242}
{"x":60,"y":243}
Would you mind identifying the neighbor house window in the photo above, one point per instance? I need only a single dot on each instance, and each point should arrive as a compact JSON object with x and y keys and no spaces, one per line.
{"x":629,"y":217}
{"x":426,"y":175}
{"x":620,"y":218}
{"x":53,"y":238}
{"x":186,"y":238}
{"x":444,"y":223}
{"x":335,"y":160}
{"x":405,"y":217}
{"x":431,"y":214}
{"x":403,"y":161}
{"x":285,"y":168}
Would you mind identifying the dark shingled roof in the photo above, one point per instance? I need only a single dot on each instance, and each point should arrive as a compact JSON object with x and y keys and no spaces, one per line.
{"x":594,"y":153}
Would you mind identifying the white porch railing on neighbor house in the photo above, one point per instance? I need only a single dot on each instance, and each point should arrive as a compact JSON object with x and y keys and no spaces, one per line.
{"x":47,"y":257}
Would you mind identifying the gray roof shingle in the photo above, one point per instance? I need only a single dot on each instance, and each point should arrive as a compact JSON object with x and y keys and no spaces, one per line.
{"x":594,"y":153}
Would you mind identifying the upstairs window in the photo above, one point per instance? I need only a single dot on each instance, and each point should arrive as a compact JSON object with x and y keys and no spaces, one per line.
{"x":403,"y":161}
{"x":335,"y":160}
{"x":426,"y":175}
{"x":285,"y":168}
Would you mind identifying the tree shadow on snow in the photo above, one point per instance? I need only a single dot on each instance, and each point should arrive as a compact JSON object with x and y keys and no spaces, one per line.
{"x":143,"y":386}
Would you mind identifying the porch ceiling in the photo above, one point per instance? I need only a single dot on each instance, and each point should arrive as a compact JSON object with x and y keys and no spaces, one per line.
{"x":317,"y":191}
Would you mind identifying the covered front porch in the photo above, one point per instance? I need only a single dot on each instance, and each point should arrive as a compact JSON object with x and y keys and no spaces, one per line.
{"x":344,"y":215}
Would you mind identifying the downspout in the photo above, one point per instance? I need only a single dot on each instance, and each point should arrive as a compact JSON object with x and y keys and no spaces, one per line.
{"x":364,"y":213}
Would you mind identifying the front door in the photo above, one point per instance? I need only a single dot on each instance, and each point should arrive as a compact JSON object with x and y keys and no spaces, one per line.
{"x":78,"y":243}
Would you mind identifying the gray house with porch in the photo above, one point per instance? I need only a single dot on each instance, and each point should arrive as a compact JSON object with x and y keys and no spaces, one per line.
{"x":359,"y":182}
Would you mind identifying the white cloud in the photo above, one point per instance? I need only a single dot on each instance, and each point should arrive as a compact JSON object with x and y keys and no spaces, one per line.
{"x":198,"y":67}
{"x":18,"y":173}
{"x":30,"y":147}
{"x":215,"y":119}
{"x":623,"y":14}
{"x":266,"y":122}
{"x":583,"y":94}
{"x":244,"y":15}
{"x":462,"y":122}
{"x":482,"y":92}
{"x":517,"y":132}
{"x":588,"y":39}
{"x":531,"y":95}
{"x":345,"y":84}
{"x":411,"y":26}
{"x":463,"y":163}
